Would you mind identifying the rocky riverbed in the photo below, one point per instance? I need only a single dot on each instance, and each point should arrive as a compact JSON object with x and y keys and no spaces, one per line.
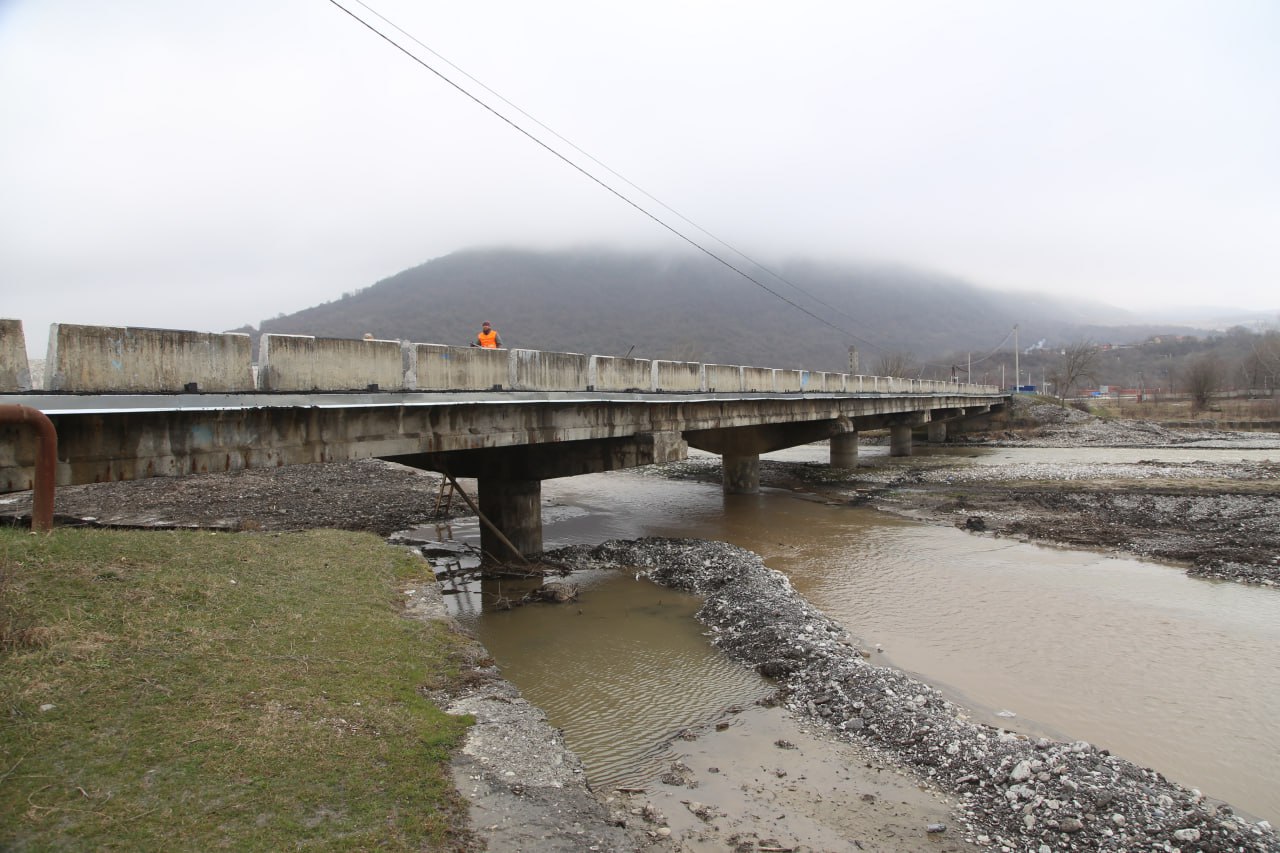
{"x":1013,"y":792}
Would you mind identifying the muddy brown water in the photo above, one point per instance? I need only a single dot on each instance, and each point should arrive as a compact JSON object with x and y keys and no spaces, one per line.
{"x":1171,"y":672}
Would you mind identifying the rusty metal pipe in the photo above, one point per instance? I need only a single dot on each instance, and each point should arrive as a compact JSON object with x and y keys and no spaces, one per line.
{"x":46,"y":461}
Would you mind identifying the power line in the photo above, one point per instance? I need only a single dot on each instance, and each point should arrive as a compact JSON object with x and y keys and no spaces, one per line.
{"x":597,"y":180}
{"x":602,"y":164}
{"x":980,"y":359}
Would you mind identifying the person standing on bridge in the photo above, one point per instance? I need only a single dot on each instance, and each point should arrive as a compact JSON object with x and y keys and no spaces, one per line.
{"x":488,"y":337}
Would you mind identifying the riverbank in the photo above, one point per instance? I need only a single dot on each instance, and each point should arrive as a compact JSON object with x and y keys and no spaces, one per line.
{"x":527,"y":791}
{"x":188,"y":690}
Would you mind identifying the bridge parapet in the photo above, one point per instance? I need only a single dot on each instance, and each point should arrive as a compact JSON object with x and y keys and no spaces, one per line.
{"x":786,"y":381}
{"x":127,"y":359}
{"x":677,"y":376}
{"x":610,"y":373}
{"x":437,"y":367}
{"x":305,"y":363}
{"x":14,"y":373}
{"x":535,"y":370}
{"x":757,"y":379}
{"x":130,"y":360}
{"x":723,"y":377}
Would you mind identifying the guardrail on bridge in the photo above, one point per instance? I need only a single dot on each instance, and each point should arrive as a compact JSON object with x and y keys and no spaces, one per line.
{"x":130,"y":360}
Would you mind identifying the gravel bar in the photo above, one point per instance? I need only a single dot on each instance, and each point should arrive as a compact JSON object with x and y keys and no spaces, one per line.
{"x":1015,"y":792}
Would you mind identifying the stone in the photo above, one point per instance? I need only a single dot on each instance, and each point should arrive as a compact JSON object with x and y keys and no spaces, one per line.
{"x":1021,"y":771}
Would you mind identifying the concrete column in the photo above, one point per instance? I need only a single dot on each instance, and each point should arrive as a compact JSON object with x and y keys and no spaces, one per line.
{"x":844,"y":450}
{"x":741,"y":474}
{"x":515,"y":508}
{"x":900,"y":440}
{"x":937,"y":432}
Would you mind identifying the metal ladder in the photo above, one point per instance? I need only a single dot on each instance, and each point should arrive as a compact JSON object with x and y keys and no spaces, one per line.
{"x":444,"y":496}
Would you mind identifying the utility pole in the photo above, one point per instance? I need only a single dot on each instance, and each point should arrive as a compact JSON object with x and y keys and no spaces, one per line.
{"x":1016,"y":378}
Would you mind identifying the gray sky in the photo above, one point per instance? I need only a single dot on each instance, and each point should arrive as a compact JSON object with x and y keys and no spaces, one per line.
{"x":207,"y":165}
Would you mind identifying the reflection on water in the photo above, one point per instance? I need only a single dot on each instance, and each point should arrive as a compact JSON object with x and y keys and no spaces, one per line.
{"x":1170,"y":672}
{"x":622,"y":671}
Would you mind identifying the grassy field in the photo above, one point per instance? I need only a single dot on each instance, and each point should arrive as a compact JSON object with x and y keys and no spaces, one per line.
{"x":1225,"y":410}
{"x":189,"y":691}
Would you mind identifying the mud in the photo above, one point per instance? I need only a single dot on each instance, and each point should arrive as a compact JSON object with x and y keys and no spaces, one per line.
{"x":1013,"y":792}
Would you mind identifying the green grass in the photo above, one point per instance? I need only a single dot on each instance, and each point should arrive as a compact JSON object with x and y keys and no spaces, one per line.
{"x":184,"y":690}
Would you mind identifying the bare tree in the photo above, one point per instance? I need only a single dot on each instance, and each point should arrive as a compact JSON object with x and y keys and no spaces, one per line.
{"x":1079,"y":362}
{"x":1203,"y":377}
{"x":895,"y":364}
{"x":1262,"y":366}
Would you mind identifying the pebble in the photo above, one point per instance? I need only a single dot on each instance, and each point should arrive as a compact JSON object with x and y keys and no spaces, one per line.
{"x":990,"y":769}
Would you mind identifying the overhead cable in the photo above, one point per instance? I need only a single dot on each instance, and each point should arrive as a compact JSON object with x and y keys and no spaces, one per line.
{"x":597,"y":180}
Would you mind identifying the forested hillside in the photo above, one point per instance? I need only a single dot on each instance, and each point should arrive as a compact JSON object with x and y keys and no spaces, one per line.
{"x":691,"y":307}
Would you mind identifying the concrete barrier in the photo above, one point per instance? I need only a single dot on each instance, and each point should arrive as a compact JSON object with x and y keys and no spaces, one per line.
{"x":437,"y":367}
{"x":610,"y":373}
{"x":788,"y":380}
{"x":305,"y":363}
{"x":534,"y":370}
{"x":723,"y":377}
{"x":677,"y":376}
{"x":757,"y":379}
{"x":112,"y":359}
{"x":14,"y":372}
{"x":119,"y":359}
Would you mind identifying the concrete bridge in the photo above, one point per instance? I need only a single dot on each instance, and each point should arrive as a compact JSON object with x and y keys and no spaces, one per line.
{"x":129,"y":403}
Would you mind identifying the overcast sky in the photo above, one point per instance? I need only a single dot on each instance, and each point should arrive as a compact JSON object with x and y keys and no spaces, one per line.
{"x":206,"y":165}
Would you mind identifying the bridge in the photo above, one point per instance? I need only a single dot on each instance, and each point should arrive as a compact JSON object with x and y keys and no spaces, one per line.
{"x":129,"y":403}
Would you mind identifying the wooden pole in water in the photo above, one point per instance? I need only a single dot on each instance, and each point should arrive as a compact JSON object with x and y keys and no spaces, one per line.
{"x":487,"y":523}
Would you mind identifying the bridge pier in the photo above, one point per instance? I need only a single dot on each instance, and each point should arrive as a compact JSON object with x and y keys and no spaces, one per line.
{"x":844,"y":450}
{"x":515,"y":508}
{"x":937,"y":432}
{"x":900,"y":440}
{"x":740,"y":473}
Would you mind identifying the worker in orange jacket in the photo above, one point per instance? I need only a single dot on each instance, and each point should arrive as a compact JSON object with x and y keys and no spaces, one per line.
{"x":488,"y":337}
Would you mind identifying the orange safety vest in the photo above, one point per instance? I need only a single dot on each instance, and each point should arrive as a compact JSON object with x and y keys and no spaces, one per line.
{"x":488,"y":340}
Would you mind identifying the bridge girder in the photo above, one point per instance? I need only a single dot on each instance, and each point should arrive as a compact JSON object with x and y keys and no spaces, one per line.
{"x":549,"y":461}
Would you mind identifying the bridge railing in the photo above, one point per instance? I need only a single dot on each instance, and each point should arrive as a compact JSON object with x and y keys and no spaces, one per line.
{"x":131,"y":360}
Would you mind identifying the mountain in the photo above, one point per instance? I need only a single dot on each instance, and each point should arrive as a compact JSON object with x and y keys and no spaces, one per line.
{"x":690,"y":307}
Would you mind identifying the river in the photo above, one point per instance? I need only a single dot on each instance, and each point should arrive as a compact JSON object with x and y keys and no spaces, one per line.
{"x":1171,"y":672}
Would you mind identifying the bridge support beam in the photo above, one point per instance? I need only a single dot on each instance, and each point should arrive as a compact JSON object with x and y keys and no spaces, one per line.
{"x":937,"y":432}
{"x":515,"y":508}
{"x":900,"y":440}
{"x":844,"y":450}
{"x":740,"y":473}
